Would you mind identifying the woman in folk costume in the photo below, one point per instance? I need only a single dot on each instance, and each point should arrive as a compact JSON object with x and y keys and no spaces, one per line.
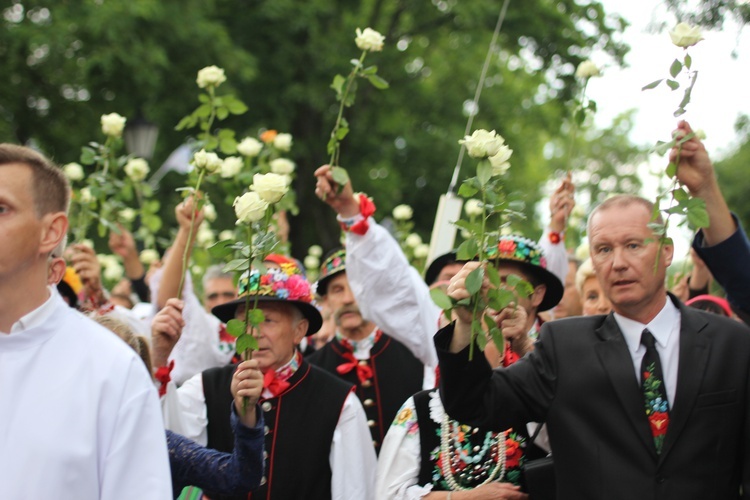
{"x":428,"y":455}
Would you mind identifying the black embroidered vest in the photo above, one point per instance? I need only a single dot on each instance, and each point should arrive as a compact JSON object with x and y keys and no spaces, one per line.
{"x":397,"y":374}
{"x":299,"y":426}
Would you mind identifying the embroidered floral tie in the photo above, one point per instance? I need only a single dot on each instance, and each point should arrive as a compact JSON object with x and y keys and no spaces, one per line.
{"x":654,"y":391}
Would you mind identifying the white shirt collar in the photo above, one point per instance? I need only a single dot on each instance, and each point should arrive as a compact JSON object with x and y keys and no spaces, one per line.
{"x":36,"y":317}
{"x":661,"y":327}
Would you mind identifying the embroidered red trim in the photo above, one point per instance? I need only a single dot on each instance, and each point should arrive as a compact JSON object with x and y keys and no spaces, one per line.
{"x":163,"y":376}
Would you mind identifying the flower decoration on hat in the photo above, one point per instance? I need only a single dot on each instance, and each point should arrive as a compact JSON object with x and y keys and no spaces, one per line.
{"x":333,"y":264}
{"x":286,"y":283}
{"x":519,"y":249}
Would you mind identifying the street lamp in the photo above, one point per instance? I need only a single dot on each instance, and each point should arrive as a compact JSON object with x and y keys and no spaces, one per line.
{"x":140,"y":137}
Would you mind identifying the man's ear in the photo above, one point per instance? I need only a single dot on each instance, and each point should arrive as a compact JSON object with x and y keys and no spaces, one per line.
{"x":300,"y":330}
{"x":667,"y":254}
{"x":56,"y":271}
{"x":538,"y":296}
{"x":55,"y":225}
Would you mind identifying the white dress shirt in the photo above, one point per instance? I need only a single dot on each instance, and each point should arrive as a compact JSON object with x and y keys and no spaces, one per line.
{"x":665,"y":328}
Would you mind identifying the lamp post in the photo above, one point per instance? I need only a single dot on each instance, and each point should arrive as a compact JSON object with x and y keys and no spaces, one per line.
{"x":140,"y":137}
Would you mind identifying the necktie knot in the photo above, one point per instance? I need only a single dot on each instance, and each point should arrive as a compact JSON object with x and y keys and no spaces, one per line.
{"x":647,"y":339}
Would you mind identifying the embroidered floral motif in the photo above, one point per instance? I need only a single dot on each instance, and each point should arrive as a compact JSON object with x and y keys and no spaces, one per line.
{"x":657,"y":407}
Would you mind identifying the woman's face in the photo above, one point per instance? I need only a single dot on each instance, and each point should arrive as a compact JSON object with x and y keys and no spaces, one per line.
{"x":593,"y":299}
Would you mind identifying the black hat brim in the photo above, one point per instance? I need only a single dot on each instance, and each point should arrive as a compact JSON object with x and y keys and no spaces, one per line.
{"x":437,"y":265}
{"x":226,"y":311}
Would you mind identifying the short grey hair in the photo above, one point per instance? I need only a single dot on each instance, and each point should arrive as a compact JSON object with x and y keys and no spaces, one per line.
{"x":215,"y":272}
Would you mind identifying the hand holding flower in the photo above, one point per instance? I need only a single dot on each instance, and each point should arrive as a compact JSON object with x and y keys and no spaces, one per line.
{"x":340,"y":198}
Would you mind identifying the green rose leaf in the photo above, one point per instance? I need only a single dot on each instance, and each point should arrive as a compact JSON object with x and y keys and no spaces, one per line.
{"x":378,"y":82}
{"x":484,"y":172}
{"x":236,"y":265}
{"x":675,"y":68}
{"x":338,"y":85}
{"x":246,"y":342}
{"x":696,"y":213}
{"x":679,"y":194}
{"x":235,"y":327}
{"x":673,"y":84}
{"x":88,"y":156}
{"x":652,"y":85}
{"x":371,"y":70}
{"x":341,"y":133}
{"x":222,"y":113}
{"x":256,"y":317}
{"x":340,"y":176}
{"x":474,"y":281}
{"x":497,"y":338}
{"x":478,"y":333}
{"x":220,"y":249}
{"x":499,"y":298}
{"x":671,"y":169}
{"x":493,"y":275}
{"x":688,"y":60}
{"x":466,"y":190}
{"x":467,"y":250}
{"x":441,"y":299}
{"x":228,"y":145}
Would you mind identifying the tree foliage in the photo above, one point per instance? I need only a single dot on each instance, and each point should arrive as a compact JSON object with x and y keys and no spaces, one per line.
{"x":69,"y":62}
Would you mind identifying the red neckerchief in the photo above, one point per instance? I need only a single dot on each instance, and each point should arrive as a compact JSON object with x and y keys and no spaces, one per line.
{"x":274,"y":384}
{"x":163,"y":376}
{"x":364,"y":372}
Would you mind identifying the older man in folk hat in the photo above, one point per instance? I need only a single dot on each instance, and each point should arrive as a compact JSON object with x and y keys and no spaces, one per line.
{"x":384,"y":371}
{"x":317,"y":440}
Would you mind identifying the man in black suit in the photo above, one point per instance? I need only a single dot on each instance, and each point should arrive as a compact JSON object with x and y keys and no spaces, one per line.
{"x":584,"y":380}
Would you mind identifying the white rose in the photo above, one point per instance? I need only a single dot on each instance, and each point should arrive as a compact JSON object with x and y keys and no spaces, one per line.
{"x":700,"y":134}
{"x":209,"y":212}
{"x":283,"y":142}
{"x":205,"y":236}
{"x":413,"y":240}
{"x":315,"y":250}
{"x":113,"y":124}
{"x":288,"y":179}
{"x":685,"y":35}
{"x":88,"y":243}
{"x":73,"y":171}
{"x":137,"y":169}
{"x":402,"y":212}
{"x":587,"y":69}
{"x":249,"y":147}
{"x":226,"y":234}
{"x":465,"y":234}
{"x":499,"y":161}
{"x":127,"y":214}
{"x":422,"y":251}
{"x":197,"y":270}
{"x":249,"y":208}
{"x":149,"y":256}
{"x":506,"y":231}
{"x":86,"y":196}
{"x":482,"y":143}
{"x":111,"y":268}
{"x":473,"y":207}
{"x":311,"y":262}
{"x":369,"y":40}
{"x":210,"y":76}
{"x":270,"y":187}
{"x":207,"y":161}
{"x":231,"y":166}
{"x":282,"y":166}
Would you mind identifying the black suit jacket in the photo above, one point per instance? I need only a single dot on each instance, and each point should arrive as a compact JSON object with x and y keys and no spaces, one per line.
{"x":580,"y":380}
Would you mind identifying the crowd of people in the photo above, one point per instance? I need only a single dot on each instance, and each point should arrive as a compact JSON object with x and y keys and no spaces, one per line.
{"x":360,"y":386}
